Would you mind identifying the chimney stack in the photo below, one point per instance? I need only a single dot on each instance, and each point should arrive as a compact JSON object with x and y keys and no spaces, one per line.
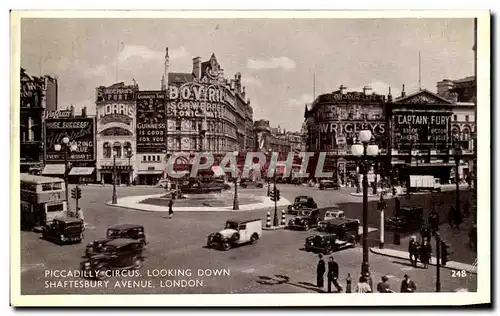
{"x":84,"y":111}
{"x":197,"y":67}
{"x":389,"y":96}
{"x":403,"y":93}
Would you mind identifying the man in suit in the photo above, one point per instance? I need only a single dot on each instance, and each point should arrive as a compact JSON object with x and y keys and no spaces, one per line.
{"x":320,"y":272}
{"x":333,"y":275}
{"x":407,"y":285}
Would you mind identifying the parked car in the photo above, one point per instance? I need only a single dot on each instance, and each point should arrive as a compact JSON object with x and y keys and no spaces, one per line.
{"x":64,"y":230}
{"x":236,"y":232}
{"x":117,"y":254}
{"x":407,"y":219}
{"x":328,"y":184}
{"x":247,"y":183}
{"x":306,"y":219}
{"x":301,"y":202}
{"x":327,"y":243}
{"x":333,"y":212}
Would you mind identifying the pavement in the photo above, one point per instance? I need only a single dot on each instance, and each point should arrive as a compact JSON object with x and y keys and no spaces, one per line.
{"x":277,"y":263}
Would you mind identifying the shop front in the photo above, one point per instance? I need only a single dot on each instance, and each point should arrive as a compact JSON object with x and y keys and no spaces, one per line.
{"x":149,"y":177}
{"x":123,"y":174}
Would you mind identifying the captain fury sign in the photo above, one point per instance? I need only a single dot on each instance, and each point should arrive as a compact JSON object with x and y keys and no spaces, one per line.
{"x":151,"y":126}
{"x":80,"y":131}
{"x":422,"y":128}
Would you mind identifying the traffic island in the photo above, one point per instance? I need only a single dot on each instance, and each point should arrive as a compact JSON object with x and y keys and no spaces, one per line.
{"x":270,"y":226}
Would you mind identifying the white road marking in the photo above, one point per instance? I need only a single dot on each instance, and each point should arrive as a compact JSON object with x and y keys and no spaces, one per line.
{"x":250,"y":270}
{"x":407,"y":269}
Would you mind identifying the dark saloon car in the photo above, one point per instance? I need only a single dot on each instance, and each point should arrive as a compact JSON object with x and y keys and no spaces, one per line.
{"x":326,"y":243}
{"x":407,"y":219}
{"x":247,"y":183}
{"x":195,"y":186}
{"x":117,"y":254}
{"x":64,"y":231}
{"x":346,"y":229}
{"x":131,"y":231}
{"x":301,"y":202}
{"x":306,"y":219}
{"x":328,"y":184}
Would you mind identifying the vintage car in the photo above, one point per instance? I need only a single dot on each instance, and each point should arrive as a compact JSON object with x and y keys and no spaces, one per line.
{"x":236,"y":232}
{"x":306,"y":219}
{"x":64,"y":230}
{"x":301,"y":202}
{"x":195,"y":186}
{"x":117,"y":254}
{"x":128,"y":231}
{"x":328,"y":184}
{"x":407,"y":219}
{"x":344,"y":228}
{"x":327,"y":243}
{"x":247,"y":183}
{"x":333,"y":212}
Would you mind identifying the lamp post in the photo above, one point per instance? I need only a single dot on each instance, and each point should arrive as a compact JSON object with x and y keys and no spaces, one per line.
{"x":129,"y":155}
{"x":364,"y":150}
{"x":438,"y":263}
{"x":67,"y":148}
{"x":236,"y":205}
{"x":381,"y":206}
{"x":457,"y":153}
{"x":113,"y":197}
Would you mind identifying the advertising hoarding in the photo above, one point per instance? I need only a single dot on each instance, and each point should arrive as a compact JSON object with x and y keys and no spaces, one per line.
{"x":423,"y":128}
{"x":80,"y":131}
{"x":151,"y":121}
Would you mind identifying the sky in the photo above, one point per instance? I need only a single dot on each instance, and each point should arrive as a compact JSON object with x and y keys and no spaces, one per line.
{"x":279,"y":59}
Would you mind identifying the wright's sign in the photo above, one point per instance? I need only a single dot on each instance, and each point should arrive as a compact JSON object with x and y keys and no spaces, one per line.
{"x":80,"y":131}
{"x":421,"y":127}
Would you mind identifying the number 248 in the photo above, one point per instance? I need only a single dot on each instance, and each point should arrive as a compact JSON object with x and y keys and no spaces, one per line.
{"x":458,"y":273}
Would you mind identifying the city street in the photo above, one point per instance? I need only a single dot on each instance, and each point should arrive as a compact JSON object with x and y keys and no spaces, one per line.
{"x":274,"y":264}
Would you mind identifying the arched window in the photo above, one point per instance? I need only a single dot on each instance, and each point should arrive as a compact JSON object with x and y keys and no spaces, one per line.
{"x":127,"y":150}
{"x":455,"y":133}
{"x":106,"y":150}
{"x":117,"y":149}
{"x":466,"y":133}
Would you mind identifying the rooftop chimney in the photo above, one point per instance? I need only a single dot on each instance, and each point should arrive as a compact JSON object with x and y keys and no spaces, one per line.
{"x":389,"y":96}
{"x":197,"y":67}
{"x":403,"y":93}
{"x":84,"y":111}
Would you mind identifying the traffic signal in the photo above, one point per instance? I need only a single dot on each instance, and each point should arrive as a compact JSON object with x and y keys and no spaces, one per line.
{"x":76,"y":193}
{"x":273,"y":195}
{"x":445,"y":252}
{"x":278,"y":195}
{"x":394,"y":191}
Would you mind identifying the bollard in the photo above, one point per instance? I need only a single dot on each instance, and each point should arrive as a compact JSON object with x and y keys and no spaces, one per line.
{"x":268,"y":219}
{"x":283,"y":218}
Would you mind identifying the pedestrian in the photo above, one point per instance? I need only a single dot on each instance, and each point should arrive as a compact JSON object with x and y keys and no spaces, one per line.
{"x":348,"y":283}
{"x":369,"y":280}
{"x":333,"y":275}
{"x":407,"y":285}
{"x":451,"y":216}
{"x":425,"y":233}
{"x":425,"y":253}
{"x":434,"y":221}
{"x":170,"y":210}
{"x":384,"y":287}
{"x":413,"y":250}
{"x":363,"y":286}
{"x":102,"y":182}
{"x":397,"y":206}
{"x":457,"y":219}
{"x":320,"y":272}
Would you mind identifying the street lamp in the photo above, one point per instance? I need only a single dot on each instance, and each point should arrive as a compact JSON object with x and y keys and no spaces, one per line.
{"x":236,"y":205}
{"x":364,"y":150}
{"x":66,"y":147}
{"x":457,"y":154}
{"x":113,"y":197}
{"x":129,"y":155}
{"x":382,"y":206}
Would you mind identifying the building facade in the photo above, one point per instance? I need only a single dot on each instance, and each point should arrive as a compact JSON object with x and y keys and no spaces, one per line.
{"x":333,"y":123}
{"x":116,"y":132}
{"x":424,"y":128}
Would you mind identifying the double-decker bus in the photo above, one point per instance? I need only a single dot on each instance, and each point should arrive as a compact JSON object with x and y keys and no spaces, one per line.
{"x":42,"y":200}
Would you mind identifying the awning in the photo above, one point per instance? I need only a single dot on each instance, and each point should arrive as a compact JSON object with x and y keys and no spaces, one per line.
{"x":81,"y":171}
{"x":54,"y":169}
{"x":150,"y":172}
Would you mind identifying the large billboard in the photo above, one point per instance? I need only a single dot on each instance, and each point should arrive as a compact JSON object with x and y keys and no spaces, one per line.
{"x":151,"y":121}
{"x":79,"y":130}
{"x":430,"y":129}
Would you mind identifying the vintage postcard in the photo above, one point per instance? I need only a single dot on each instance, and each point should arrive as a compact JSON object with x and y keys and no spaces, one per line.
{"x":306,"y":158}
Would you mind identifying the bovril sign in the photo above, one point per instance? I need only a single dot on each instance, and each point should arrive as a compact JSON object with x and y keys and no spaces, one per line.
{"x":201,"y":93}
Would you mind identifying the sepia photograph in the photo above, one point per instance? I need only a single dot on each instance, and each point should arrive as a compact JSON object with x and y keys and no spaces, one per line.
{"x":312,"y":158}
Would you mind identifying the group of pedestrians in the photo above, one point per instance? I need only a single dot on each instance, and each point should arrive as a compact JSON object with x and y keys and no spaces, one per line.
{"x":420,"y":251}
{"x":365,"y":282}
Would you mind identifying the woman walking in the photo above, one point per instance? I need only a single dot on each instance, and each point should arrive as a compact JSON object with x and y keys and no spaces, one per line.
{"x":170,"y":210}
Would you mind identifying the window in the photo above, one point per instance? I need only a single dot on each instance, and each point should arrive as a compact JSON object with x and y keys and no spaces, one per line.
{"x":57,"y":186}
{"x":55,"y":208}
{"x":242,"y":227}
{"x":149,"y":158}
{"x":127,"y":149}
{"x":158,"y":158}
{"x":466,"y":118}
{"x":144,"y":158}
{"x":47,"y":187}
{"x":117,"y":149}
{"x":106,"y":150}
{"x":178,"y":125}
{"x":455,"y":117}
